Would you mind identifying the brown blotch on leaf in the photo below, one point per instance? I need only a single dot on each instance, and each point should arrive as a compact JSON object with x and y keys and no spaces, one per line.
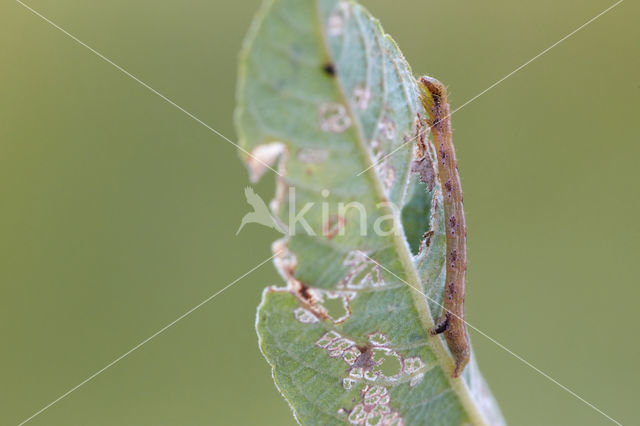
{"x":365,"y":360}
{"x":424,"y":168}
{"x":427,"y":237}
{"x":423,"y":165}
{"x":304,"y":293}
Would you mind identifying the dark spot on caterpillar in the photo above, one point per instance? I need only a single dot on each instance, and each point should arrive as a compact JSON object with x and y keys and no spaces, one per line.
{"x":451,"y":290}
{"x":452,"y":224}
{"x":453,"y":257}
{"x":448,"y":186}
{"x":329,"y":68}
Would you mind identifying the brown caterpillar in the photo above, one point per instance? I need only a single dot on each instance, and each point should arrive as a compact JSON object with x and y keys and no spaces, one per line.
{"x":451,"y":322}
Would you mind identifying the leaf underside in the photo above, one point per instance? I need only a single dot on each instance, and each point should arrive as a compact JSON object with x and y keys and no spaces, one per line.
{"x":323,"y":94}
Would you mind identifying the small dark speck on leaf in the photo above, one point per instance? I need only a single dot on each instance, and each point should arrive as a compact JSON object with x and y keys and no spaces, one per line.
{"x":329,"y":68}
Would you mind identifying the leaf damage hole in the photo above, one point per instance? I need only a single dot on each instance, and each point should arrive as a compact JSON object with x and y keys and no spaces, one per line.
{"x":423,"y":163}
{"x":336,"y":304}
{"x":333,"y":117}
{"x":387,"y":128}
{"x":263,"y":157}
{"x":383,"y":168}
{"x":335,"y":307}
{"x":362,"y":272}
{"x":388,"y":362}
{"x":286,"y":263}
{"x":304,"y":316}
{"x":335,"y":24}
{"x":313,"y":156}
{"x":375,"y":408}
{"x":362,"y":97}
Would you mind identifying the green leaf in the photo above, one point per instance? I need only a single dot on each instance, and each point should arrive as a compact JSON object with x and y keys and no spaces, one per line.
{"x":323,"y":95}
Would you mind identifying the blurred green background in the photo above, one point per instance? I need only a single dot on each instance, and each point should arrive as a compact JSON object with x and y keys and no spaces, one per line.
{"x":118,"y":212}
